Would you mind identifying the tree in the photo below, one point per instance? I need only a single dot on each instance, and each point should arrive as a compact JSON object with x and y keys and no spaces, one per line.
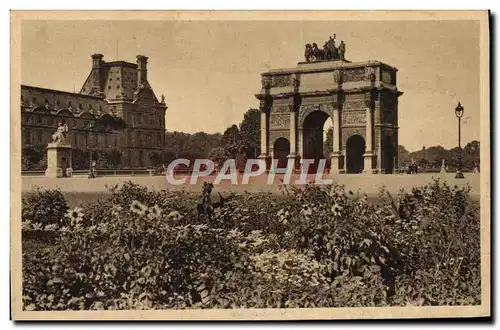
{"x":218,"y":155}
{"x":167,"y":156}
{"x":328,"y":144}
{"x":199,"y":143}
{"x":114,"y":158}
{"x":154,"y":158}
{"x":403,"y":156}
{"x":471,"y":154}
{"x":250,"y":131}
{"x":33,"y":158}
{"x":81,"y":159}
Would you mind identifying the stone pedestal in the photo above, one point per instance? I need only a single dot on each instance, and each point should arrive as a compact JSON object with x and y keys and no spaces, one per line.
{"x":336,"y":163}
{"x":296,"y":161}
{"x":443,"y":167}
{"x":59,"y":160}
{"x":368,"y":163}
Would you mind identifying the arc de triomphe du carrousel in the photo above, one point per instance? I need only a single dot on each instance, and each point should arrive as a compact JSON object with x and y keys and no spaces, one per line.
{"x":361,"y":98}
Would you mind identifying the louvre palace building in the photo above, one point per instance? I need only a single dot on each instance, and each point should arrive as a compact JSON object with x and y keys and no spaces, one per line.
{"x":116,"y":111}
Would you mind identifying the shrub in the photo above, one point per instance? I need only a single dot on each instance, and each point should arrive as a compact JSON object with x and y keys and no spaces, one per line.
{"x":44,"y":207}
{"x":317,"y":246}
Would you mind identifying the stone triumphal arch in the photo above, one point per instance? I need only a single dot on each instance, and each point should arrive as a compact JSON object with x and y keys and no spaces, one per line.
{"x":361,"y":99}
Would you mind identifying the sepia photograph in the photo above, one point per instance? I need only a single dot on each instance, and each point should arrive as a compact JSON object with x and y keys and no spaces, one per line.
{"x":250,"y":165}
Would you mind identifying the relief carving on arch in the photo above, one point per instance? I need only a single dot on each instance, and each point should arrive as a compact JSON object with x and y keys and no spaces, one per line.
{"x":353,"y":117}
{"x":357,"y":74}
{"x":389,"y":116}
{"x":281,"y":81}
{"x":279,"y":120}
{"x":282,"y":109}
{"x":354,"y":105}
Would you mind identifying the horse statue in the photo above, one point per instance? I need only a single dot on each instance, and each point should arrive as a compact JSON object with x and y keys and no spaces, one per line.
{"x":317,"y":53}
{"x":60,"y":135}
{"x":329,"y":51}
{"x":308,"y":53}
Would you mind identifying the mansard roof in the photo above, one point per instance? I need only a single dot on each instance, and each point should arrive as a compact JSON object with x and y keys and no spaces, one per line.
{"x":37,"y":99}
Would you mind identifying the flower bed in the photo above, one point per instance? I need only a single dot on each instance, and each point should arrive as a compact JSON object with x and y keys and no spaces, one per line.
{"x":318,"y":246}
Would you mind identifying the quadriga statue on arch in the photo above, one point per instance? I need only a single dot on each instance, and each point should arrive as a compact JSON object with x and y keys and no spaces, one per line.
{"x":329,"y":52}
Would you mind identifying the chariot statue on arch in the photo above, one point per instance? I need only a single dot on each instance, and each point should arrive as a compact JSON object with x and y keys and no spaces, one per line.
{"x":329,"y":52}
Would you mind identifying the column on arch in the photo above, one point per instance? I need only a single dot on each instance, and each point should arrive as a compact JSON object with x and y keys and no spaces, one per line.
{"x":293,"y":132}
{"x":368,"y":156}
{"x":336,"y":151}
{"x":264,"y":132}
{"x":293,"y":136}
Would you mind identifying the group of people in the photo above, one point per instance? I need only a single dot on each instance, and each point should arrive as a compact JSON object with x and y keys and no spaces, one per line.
{"x":412,"y":168}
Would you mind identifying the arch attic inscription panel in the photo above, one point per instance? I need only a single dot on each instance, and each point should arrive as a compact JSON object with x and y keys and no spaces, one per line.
{"x":360,"y":98}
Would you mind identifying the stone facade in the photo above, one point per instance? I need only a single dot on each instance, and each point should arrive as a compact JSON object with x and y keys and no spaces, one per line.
{"x":360,"y":98}
{"x":114,"y":92}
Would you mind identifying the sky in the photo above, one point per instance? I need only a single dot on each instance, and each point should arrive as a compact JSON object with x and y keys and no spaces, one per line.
{"x":209,"y":71}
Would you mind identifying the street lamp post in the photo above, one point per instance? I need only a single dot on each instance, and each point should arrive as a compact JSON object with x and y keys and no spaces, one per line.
{"x":459,"y":112}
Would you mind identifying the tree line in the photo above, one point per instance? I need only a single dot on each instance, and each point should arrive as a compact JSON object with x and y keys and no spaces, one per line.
{"x":240,"y":142}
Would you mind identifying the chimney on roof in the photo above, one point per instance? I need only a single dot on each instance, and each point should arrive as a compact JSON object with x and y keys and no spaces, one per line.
{"x":96,"y":71}
{"x":142,"y":70}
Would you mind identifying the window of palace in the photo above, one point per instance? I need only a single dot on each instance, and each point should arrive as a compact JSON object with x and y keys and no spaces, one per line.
{"x":27,"y":137}
{"x":39,"y":119}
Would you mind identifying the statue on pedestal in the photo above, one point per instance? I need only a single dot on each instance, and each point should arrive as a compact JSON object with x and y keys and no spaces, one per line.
{"x":443,"y":167}
{"x":60,"y":135}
